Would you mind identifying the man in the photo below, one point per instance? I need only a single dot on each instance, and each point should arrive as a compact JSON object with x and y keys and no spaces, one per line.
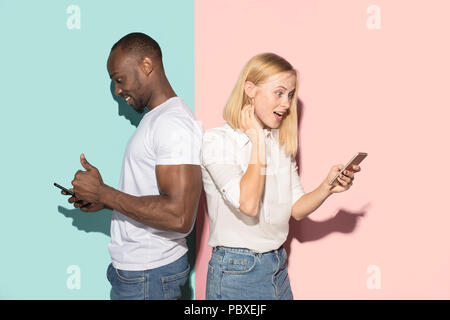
{"x":155,"y":205}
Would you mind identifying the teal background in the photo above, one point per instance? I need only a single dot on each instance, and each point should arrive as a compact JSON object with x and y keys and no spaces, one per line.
{"x":56,"y":104}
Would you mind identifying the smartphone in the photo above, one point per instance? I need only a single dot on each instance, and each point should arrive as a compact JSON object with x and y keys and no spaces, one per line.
{"x":64,"y":189}
{"x":357,"y":159}
{"x":71,"y":193}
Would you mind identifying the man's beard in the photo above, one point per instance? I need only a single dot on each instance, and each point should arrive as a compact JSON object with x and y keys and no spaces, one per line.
{"x":139,"y":106}
{"x":140,"y":109}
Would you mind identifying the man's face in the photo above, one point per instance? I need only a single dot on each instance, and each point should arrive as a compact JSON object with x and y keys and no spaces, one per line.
{"x":126,"y":75}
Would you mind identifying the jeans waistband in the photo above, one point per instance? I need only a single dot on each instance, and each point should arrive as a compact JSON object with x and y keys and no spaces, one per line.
{"x":245,"y":250}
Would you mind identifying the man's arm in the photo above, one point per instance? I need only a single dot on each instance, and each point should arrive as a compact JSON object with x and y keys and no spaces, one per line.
{"x":174,"y":209}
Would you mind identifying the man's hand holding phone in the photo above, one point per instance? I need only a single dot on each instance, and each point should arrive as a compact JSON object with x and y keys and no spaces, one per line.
{"x":85,"y":191}
{"x":83,"y":205}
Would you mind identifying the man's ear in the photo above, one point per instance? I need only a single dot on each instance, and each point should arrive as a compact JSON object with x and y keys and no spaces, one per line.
{"x":250,"y":89}
{"x":147,"y":66}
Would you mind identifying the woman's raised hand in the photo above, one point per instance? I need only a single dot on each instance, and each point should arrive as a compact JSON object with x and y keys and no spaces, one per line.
{"x":250,"y":125}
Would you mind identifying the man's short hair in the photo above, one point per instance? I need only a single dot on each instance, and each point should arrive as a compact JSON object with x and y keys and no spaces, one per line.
{"x":139,"y":44}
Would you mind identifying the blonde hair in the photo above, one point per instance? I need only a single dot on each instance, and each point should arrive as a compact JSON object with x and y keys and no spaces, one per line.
{"x":257,"y":70}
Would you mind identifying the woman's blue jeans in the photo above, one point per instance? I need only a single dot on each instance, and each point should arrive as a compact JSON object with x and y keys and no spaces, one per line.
{"x":242,"y":274}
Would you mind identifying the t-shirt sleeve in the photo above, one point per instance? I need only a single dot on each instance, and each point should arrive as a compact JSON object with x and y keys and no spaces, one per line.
{"x":297,"y":189}
{"x":219,"y":160}
{"x":177,"y":140}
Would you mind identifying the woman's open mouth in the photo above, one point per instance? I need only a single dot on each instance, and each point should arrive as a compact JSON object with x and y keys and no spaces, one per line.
{"x":278,"y":116}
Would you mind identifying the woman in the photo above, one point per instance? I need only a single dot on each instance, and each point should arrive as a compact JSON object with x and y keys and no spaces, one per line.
{"x":252,"y":184}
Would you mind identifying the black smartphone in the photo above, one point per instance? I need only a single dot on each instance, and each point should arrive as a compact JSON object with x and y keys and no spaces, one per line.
{"x":64,"y":189}
{"x":71,"y":193}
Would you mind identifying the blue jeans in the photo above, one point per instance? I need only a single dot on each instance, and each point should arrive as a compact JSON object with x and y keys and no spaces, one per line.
{"x":241,"y":274}
{"x":163,"y":283}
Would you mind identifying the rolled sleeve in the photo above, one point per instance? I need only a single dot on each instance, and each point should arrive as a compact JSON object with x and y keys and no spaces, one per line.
{"x":297,"y":189}
{"x":217,"y":158}
{"x":228,"y":181}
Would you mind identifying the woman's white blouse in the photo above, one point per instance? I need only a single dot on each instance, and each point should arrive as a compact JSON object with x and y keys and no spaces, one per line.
{"x":225,"y":156}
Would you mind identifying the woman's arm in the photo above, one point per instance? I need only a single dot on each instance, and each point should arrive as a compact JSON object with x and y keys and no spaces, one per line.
{"x":309,"y":202}
{"x":254,"y":178}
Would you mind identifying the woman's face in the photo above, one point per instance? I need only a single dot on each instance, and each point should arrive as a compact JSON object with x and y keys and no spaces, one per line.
{"x":273,"y":97}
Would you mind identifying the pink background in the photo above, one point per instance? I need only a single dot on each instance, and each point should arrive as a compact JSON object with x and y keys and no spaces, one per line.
{"x":384,"y":92}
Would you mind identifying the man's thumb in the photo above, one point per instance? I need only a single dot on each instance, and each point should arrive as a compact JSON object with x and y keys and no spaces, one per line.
{"x":85,"y":163}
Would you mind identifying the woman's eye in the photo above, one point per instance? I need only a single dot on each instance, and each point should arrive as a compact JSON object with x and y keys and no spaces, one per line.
{"x":279,"y":93}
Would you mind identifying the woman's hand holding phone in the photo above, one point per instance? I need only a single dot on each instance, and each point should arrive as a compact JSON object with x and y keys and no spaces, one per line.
{"x":344,"y":180}
{"x":341,"y":177}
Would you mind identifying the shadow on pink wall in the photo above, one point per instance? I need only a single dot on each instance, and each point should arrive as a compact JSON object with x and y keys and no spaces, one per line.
{"x":309,"y":230}
{"x":306,"y":229}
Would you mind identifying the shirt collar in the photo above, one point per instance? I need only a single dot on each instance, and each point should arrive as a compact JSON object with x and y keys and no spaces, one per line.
{"x":242,"y":139}
{"x":268,"y":133}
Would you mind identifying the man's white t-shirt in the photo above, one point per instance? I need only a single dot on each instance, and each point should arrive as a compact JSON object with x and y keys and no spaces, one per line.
{"x":169,"y":134}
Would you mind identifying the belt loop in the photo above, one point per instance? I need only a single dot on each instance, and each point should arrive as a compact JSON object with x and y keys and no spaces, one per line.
{"x":280,"y":251}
